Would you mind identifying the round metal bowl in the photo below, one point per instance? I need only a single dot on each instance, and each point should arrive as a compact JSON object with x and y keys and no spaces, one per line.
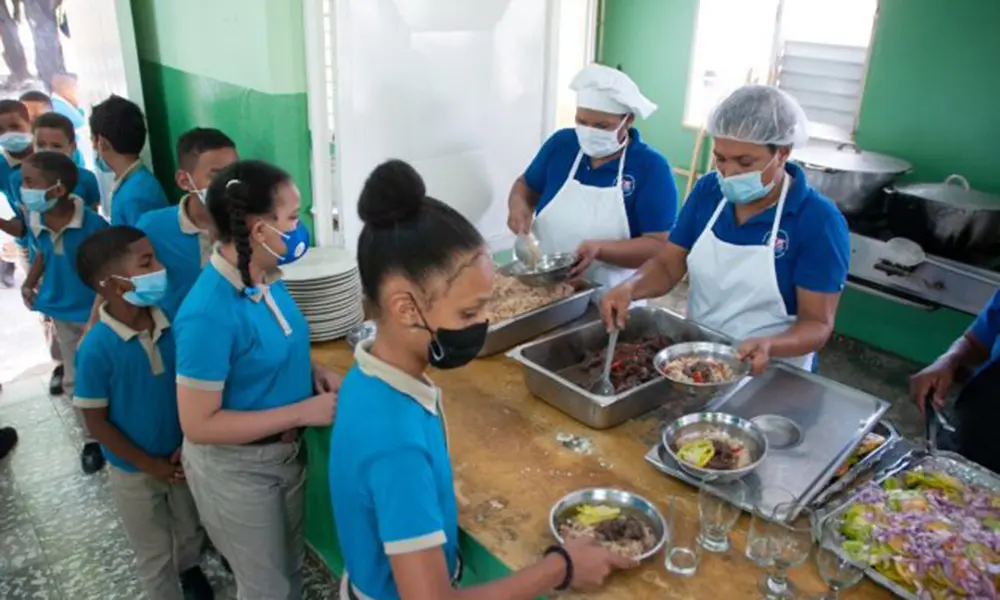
{"x":627,"y":501}
{"x":550,"y":270}
{"x":707,"y":350}
{"x":693,"y":427}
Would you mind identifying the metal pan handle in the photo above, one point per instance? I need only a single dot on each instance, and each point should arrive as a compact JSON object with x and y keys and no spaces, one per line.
{"x":954,"y":179}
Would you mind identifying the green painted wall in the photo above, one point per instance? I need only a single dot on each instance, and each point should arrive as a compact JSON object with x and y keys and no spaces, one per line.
{"x":237,"y":65}
{"x":931,"y":98}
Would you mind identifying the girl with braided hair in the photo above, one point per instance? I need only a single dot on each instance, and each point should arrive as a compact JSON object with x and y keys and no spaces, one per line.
{"x":246,"y":384}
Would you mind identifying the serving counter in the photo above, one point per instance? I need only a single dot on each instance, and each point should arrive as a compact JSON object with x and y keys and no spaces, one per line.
{"x":514,"y":456}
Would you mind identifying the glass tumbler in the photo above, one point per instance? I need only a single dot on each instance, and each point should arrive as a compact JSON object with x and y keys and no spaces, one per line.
{"x":683,"y":550}
{"x":841,"y":562}
{"x":719,"y":508}
{"x":758,"y":549}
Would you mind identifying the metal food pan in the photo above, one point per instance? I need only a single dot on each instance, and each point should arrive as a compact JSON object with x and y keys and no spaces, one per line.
{"x":544,"y":359}
{"x":507,"y":334}
{"x":951,"y":463}
{"x":837,"y":485}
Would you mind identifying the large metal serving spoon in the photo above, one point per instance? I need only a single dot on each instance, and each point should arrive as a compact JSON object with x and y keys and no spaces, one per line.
{"x":527,"y":249}
{"x":603,"y":386}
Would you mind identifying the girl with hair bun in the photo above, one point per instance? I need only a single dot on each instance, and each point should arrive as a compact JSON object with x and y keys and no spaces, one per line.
{"x":427,"y":277}
{"x":245,"y":384}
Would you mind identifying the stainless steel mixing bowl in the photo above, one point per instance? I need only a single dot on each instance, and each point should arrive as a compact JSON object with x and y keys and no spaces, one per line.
{"x":708,"y":351}
{"x":550,"y":270}
{"x":693,"y":427}
{"x":627,"y":501}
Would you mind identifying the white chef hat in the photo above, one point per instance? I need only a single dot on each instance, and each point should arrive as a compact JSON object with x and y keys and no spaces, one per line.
{"x":609,"y":90}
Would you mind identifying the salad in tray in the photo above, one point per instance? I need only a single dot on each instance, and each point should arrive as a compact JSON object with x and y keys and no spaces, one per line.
{"x":932,"y":534}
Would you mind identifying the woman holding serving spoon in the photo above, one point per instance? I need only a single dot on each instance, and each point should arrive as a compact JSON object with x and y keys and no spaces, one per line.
{"x":767,"y":255}
{"x":597,"y":190}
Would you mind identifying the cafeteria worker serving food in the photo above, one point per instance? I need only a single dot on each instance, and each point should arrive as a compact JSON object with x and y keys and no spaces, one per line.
{"x":766,"y":254}
{"x":598,"y":189}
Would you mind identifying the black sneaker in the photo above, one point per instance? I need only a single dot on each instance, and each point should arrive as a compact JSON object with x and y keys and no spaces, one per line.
{"x":55,"y":381}
{"x":8,"y":439}
{"x":195,"y":585}
{"x":91,"y":458}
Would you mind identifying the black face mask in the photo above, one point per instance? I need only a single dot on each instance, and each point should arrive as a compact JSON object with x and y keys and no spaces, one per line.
{"x":453,"y":348}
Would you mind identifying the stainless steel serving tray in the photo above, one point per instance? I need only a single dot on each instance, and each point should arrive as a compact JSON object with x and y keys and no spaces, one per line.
{"x":837,"y":485}
{"x":949,"y":462}
{"x":543,"y":359}
{"x":507,"y":334}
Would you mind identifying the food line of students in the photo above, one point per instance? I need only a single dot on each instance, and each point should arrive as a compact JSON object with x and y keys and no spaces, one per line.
{"x":195,"y":375}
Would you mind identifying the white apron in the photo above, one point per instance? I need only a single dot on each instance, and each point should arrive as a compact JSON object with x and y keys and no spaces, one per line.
{"x":734,"y":289}
{"x":581,"y":212}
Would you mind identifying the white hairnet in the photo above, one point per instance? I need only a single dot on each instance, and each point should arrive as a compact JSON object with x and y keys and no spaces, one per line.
{"x":759,"y":114}
{"x":609,"y":90}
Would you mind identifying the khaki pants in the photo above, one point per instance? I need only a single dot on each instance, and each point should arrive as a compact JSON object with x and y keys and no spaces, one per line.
{"x":48,"y":327}
{"x":69,"y":335}
{"x":250,"y":499}
{"x":161,"y":523}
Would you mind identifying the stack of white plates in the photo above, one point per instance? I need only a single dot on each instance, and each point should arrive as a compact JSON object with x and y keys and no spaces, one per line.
{"x":327,"y":289}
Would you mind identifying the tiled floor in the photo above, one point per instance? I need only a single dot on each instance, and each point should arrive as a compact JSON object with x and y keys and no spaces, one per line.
{"x":60,"y":536}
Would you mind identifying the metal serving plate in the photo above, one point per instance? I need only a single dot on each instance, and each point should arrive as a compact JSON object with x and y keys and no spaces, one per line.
{"x":951,"y":463}
{"x":507,"y":334}
{"x":837,"y":485}
{"x":544,"y":359}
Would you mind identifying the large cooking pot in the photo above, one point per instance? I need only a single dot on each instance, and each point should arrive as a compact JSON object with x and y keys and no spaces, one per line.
{"x":850,"y":177}
{"x":949,"y":219}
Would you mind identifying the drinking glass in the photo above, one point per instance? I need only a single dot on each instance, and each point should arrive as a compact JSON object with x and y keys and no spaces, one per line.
{"x":758,"y":549}
{"x":683,"y":550}
{"x":841,"y":563}
{"x":719,"y":508}
{"x":791,"y":540}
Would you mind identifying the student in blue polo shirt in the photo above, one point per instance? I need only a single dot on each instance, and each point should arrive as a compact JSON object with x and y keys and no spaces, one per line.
{"x":127,"y":390}
{"x":598,"y":190}
{"x":767,"y":255}
{"x":59,"y":223}
{"x":181,"y":234}
{"x":15,"y":143}
{"x":39,"y":103}
{"x":391,"y":481}
{"x":246,"y":383}
{"x":118,"y":132}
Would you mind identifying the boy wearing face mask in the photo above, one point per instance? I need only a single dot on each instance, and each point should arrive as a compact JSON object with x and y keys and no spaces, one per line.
{"x":181,"y":234}
{"x":15,"y":144}
{"x":58,"y":223}
{"x":118,"y":132}
{"x":128,"y":395}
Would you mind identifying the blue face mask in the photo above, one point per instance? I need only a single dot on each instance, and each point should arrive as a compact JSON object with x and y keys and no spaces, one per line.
{"x":296,"y":243}
{"x":16,"y":141}
{"x":149,"y":288}
{"x":36,"y":200}
{"x":745,"y":187}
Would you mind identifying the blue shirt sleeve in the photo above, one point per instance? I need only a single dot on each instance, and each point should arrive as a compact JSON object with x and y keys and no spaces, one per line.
{"x":689,"y":225}
{"x":204,"y":351}
{"x":826,"y":250}
{"x":404,"y":495}
{"x":88,"y":189}
{"x":536,"y":175}
{"x":93,"y":373}
{"x":655,"y":203}
{"x":986,"y":327}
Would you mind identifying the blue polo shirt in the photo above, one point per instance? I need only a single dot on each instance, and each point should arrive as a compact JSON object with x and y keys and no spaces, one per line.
{"x":254,"y":348}
{"x":134,"y":194}
{"x":132,"y":374}
{"x":391,"y":482}
{"x":814,"y":245}
{"x":9,"y":169}
{"x":180,"y":246}
{"x":648,"y":186}
{"x":86,"y":187}
{"x":986,"y":328}
{"x":62,"y":295}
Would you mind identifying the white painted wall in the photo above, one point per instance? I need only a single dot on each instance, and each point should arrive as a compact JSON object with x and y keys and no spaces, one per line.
{"x":455,"y":87}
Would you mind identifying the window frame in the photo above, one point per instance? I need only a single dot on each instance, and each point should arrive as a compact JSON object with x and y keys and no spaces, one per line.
{"x":826,"y":133}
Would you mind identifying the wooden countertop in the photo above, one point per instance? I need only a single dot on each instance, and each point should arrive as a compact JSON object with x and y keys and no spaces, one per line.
{"x":510,"y":469}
